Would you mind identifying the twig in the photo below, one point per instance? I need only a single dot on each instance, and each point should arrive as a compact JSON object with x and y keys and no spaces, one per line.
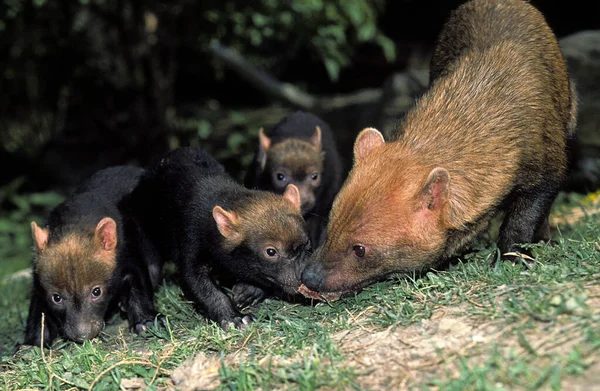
{"x":262,"y":80}
{"x":48,"y":367}
{"x":160,"y":363}
{"x":286,"y":92}
{"x":474,"y":303}
{"x":130,"y":362}
{"x":246,"y":341}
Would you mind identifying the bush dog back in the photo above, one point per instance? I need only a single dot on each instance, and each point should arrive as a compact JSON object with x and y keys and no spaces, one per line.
{"x":488,"y":136}
{"x":87,"y":261}
{"x":207,"y":223}
{"x":300,"y":150}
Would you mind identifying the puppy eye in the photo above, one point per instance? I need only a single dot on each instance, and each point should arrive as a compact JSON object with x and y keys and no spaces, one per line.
{"x":270,"y":252}
{"x":57,"y":298}
{"x":96,"y":292}
{"x":280,"y":177}
{"x":359,"y":250}
{"x":314,"y":176}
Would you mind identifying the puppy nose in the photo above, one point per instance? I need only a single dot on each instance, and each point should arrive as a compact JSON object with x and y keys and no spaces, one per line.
{"x":79,"y":333}
{"x":84,"y":332}
{"x":87,"y":331}
{"x":312,"y":277}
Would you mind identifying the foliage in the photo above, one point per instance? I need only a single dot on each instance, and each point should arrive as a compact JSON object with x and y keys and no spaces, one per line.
{"x":97,"y":78}
{"x":228,"y":135}
{"x":272,"y":33}
{"x":17,"y":210}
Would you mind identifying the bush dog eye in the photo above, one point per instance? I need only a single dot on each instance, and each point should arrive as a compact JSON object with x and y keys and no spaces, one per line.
{"x":359,"y":250}
{"x":96,"y":292}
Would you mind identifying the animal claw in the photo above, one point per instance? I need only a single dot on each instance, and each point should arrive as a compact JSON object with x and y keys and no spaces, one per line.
{"x":239,"y":322}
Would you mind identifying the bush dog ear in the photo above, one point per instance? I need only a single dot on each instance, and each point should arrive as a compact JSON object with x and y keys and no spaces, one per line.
{"x":292,"y":194}
{"x":226,"y":222}
{"x":435,"y":191}
{"x":366,"y":141}
{"x":40,"y":236}
{"x":315,"y":139}
{"x":264,"y":143}
{"x":106,"y":234}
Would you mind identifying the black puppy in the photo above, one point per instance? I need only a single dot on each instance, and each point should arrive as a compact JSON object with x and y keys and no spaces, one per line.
{"x":300,"y":150}
{"x":207,"y":223}
{"x":89,"y":259}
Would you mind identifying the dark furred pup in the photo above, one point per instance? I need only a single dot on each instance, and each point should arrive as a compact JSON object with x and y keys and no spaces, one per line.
{"x":207,"y":223}
{"x":489,"y":136}
{"x":300,"y":150}
{"x":87,"y":261}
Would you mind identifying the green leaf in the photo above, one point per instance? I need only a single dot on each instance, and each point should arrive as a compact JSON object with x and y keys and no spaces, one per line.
{"x":286,"y":18}
{"x":255,"y":37}
{"x":388,"y":46}
{"x":48,"y":199}
{"x":333,"y":68}
{"x":355,"y":12}
{"x":235,"y":140}
{"x":237,"y":118}
{"x":204,"y":129}
{"x":366,"y":32}
{"x":259,"y":20}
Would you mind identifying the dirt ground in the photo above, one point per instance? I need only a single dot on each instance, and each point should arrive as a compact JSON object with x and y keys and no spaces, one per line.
{"x":434,"y":348}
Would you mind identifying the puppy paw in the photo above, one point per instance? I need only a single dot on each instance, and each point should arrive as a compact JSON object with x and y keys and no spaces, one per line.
{"x":239,"y":322}
{"x":141,"y":327}
{"x":246,"y":295}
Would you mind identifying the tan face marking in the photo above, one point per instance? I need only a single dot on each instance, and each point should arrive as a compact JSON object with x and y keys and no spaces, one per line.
{"x":74,"y":264}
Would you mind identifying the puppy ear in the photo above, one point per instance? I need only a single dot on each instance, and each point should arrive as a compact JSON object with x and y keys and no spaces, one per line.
{"x":292,"y":194}
{"x":264,"y":143}
{"x":40,"y":236}
{"x":106,"y":234}
{"x":226,"y":222}
{"x":315,"y":139}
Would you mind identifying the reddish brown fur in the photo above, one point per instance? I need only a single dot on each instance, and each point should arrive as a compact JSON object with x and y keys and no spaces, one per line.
{"x":494,"y":122}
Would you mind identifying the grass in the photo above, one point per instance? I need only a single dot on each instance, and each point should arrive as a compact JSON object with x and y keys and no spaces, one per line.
{"x":479,"y":324}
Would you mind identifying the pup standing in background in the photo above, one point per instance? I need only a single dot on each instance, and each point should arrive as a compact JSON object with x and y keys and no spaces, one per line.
{"x":88,"y":261}
{"x":489,"y":136}
{"x":300,"y":150}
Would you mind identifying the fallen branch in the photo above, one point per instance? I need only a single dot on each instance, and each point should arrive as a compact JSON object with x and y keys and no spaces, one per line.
{"x":286,"y":92}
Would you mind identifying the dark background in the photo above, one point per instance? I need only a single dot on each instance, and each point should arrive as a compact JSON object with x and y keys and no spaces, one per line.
{"x":88,"y":84}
